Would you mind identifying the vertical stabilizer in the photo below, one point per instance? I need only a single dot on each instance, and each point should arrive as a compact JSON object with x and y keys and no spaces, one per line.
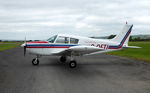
{"x":123,"y":37}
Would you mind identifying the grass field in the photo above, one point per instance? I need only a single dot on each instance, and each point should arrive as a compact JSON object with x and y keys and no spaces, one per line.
{"x":8,"y":45}
{"x":140,"y":54}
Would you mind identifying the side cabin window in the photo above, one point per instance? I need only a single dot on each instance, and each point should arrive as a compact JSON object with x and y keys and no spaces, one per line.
{"x":63,"y":40}
{"x":74,"y":41}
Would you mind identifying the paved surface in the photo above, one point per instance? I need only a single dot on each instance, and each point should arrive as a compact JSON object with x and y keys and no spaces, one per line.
{"x":95,"y":74}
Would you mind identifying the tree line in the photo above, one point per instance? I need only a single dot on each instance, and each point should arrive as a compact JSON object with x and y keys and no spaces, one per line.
{"x":131,"y":38}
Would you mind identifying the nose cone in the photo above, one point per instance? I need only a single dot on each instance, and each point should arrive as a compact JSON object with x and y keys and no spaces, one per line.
{"x":23,"y":45}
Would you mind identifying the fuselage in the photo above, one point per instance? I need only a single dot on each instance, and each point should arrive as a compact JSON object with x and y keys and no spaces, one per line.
{"x":61,"y":42}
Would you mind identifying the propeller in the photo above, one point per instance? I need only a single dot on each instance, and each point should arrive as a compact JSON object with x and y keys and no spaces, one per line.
{"x":25,"y":46}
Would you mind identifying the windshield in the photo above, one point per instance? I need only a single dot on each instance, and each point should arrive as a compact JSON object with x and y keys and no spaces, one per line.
{"x":52,"y":39}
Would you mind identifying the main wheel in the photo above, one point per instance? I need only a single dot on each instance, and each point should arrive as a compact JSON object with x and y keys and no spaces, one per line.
{"x":63,"y":59}
{"x":73,"y":64}
{"x":35,"y":61}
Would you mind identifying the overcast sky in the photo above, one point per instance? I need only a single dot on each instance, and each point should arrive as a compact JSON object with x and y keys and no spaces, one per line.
{"x":40,"y":19}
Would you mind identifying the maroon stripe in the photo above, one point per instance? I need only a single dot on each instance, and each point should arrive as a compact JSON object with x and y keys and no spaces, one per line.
{"x":37,"y":42}
{"x":48,"y":47}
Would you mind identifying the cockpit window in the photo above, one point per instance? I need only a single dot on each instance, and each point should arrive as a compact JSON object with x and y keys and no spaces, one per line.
{"x":73,"y":41}
{"x":61,"y":39}
{"x":52,"y":39}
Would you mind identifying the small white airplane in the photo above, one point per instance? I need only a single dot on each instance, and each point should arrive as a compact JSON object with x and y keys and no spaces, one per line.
{"x":69,"y":46}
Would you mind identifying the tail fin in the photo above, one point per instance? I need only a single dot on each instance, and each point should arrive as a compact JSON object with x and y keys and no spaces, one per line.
{"x":123,"y":37}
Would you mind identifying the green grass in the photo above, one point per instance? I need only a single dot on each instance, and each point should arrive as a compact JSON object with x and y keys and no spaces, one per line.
{"x":8,"y":45}
{"x":12,"y":42}
{"x":140,"y":54}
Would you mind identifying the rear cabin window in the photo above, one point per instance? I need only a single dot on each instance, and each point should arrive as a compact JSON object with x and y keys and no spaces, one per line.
{"x":64,"y":40}
{"x":73,"y":41}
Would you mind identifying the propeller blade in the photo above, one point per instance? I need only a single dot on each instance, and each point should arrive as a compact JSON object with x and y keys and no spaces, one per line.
{"x":24,"y":50}
{"x":25,"y":40}
{"x":25,"y":46}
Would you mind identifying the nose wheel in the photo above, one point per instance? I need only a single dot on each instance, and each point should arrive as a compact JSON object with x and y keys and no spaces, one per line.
{"x":35,"y":61}
{"x":72,"y":64}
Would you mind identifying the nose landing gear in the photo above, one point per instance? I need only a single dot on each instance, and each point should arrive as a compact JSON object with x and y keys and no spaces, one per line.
{"x":35,"y":61}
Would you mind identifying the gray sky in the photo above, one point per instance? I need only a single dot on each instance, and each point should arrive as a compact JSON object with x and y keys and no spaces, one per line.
{"x":40,"y":19}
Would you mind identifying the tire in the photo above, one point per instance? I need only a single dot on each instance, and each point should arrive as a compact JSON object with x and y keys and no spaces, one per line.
{"x":63,"y":59}
{"x":72,"y":64}
{"x":35,"y":62}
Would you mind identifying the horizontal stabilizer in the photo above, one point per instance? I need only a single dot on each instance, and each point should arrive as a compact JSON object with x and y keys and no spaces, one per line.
{"x":131,"y":47}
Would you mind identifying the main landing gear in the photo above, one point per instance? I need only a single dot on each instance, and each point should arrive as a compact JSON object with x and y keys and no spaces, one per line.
{"x":63,"y":59}
{"x":72,"y":63}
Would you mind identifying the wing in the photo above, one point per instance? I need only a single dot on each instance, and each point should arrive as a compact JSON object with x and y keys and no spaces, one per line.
{"x":79,"y":50}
